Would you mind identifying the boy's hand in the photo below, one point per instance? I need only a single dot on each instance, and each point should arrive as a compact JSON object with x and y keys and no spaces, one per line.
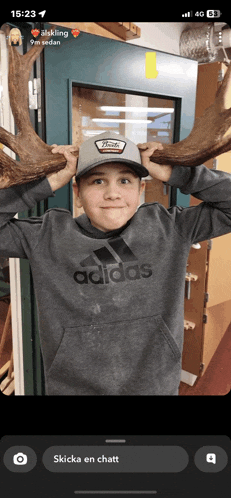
{"x":158,"y":171}
{"x":58,"y":180}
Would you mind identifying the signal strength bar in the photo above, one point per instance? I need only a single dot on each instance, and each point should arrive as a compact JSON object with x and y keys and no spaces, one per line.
{"x":188,"y":14}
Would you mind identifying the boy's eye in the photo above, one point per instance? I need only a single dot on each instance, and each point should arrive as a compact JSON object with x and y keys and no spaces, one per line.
{"x":98,"y":181}
{"x":125,"y":181}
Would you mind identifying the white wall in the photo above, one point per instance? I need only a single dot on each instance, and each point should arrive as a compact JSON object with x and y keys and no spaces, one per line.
{"x":163,"y":36}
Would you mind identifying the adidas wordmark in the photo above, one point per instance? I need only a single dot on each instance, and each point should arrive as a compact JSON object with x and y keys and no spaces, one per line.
{"x":118,"y":273}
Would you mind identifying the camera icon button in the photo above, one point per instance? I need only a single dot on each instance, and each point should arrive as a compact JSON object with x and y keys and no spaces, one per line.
{"x":20,"y":459}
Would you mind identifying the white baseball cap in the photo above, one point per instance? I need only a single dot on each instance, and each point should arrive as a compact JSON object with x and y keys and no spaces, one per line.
{"x":109,"y":147}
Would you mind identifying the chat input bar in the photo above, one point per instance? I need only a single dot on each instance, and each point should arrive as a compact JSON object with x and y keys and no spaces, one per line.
{"x":115,"y":459}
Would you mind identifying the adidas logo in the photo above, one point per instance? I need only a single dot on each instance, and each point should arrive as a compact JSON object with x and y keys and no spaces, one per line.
{"x":120,"y":255}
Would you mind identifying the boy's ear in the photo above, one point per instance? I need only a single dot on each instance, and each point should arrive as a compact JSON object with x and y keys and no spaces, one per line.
{"x":77,"y":197}
{"x":142,"y":186}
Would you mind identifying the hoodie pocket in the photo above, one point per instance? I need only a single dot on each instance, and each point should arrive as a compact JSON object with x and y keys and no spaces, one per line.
{"x":128,"y":357}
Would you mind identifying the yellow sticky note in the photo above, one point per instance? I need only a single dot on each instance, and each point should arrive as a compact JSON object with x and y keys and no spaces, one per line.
{"x":150,"y":65}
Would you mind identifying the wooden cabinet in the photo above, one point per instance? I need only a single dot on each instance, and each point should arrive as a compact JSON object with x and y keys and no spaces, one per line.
{"x":209,"y":306}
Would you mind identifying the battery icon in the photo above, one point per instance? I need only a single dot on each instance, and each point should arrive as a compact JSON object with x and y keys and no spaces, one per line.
{"x":213,"y":13}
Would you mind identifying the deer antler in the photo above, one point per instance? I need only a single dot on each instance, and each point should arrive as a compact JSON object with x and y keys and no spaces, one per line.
{"x":36,"y":158}
{"x":208,"y":138}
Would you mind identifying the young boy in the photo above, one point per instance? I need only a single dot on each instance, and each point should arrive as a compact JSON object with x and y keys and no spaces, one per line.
{"x":110,"y":284}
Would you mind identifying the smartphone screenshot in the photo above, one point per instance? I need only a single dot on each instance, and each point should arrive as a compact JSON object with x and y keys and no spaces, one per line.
{"x":91,"y":300}
{"x":129,"y":465}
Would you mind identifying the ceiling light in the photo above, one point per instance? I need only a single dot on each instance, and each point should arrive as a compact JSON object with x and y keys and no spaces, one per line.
{"x":111,"y":120}
{"x":137,"y":109}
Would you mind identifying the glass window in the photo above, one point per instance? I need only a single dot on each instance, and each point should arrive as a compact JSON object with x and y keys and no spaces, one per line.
{"x":139,"y":118}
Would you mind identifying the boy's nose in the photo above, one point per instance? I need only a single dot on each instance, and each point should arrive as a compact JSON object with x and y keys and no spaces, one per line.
{"x":112,"y":192}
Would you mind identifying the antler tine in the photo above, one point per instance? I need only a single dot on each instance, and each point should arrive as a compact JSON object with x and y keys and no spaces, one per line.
{"x":208,"y":137}
{"x":8,"y":139}
{"x":36,"y":159}
{"x":222,"y":92}
{"x":18,"y":79}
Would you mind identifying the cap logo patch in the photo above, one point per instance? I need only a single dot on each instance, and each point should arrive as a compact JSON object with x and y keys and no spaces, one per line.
{"x":110,"y":146}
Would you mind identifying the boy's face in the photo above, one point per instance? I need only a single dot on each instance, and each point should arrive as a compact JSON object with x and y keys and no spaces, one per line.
{"x":109,"y":194}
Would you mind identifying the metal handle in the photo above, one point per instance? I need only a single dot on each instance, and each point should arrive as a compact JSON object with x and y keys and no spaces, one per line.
{"x":188,"y":286}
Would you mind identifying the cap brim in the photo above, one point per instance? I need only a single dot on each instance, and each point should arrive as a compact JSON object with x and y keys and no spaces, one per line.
{"x":138,"y":168}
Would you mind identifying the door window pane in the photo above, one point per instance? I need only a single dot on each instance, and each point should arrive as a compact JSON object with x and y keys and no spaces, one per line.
{"x":139,"y":118}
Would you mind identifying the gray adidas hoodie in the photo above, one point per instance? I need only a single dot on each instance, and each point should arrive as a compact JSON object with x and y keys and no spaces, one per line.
{"x":111,"y":305}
